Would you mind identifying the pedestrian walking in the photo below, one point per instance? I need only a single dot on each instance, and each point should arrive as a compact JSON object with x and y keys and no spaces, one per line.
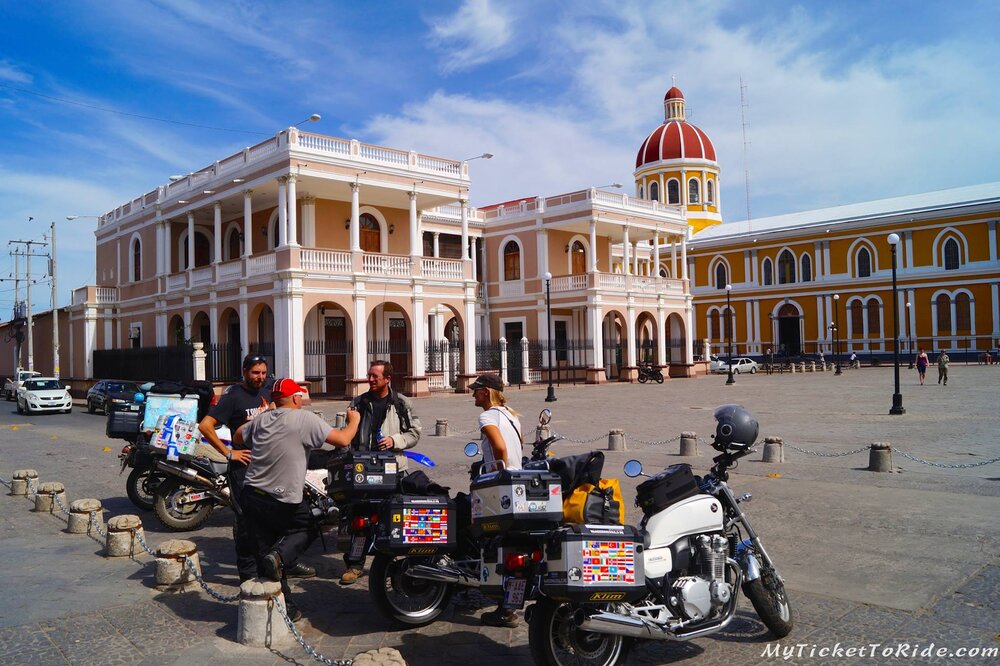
{"x":943,"y":362}
{"x":922,"y":362}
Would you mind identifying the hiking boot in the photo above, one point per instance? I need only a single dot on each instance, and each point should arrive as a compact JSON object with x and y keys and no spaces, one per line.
{"x":292,"y":611}
{"x":351,"y":576}
{"x":270,"y":566}
{"x":300,"y":570}
{"x":501,"y":617}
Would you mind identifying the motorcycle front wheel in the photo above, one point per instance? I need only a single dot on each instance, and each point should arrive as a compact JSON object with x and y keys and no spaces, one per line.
{"x":659,"y":378}
{"x":141,"y":486}
{"x":769,"y":599}
{"x":415,"y":602}
{"x":555,"y":640}
{"x":174,"y":515}
{"x":643,"y":377}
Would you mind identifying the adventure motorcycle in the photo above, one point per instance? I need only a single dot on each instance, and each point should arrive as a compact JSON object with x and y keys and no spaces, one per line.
{"x":649,"y":372}
{"x":694,"y":552}
{"x":144,"y":479}
{"x":193,"y":487}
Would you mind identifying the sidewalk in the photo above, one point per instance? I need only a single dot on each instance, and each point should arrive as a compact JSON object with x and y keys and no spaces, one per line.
{"x":886,"y":558}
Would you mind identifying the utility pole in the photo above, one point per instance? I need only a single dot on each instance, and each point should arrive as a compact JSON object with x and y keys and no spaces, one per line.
{"x":28,"y":254}
{"x":55,"y":305}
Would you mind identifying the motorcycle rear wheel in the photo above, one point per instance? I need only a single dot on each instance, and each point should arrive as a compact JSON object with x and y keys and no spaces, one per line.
{"x":415,"y":602}
{"x":555,"y":640}
{"x":769,"y":599}
{"x":659,"y":378}
{"x":141,"y":486}
{"x":179,"y":518}
{"x":643,"y":377}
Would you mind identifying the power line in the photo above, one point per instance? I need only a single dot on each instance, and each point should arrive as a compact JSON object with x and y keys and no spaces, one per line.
{"x":63,"y":100}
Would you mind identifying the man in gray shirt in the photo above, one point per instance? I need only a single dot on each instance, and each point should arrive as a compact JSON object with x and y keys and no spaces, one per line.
{"x":280,"y":440}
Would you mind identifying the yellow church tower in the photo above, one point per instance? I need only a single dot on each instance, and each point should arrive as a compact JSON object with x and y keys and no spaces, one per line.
{"x":676,"y":164}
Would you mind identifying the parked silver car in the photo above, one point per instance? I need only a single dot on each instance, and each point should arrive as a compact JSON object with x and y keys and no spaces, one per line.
{"x":741,"y":365}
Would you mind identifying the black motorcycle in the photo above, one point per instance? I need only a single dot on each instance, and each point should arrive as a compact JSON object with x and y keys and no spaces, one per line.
{"x":649,"y":372}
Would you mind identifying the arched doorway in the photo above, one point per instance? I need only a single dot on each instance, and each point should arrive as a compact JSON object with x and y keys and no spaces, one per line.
{"x":328,"y":347}
{"x":226,"y":354}
{"x":613,"y":338}
{"x":263,"y":345}
{"x":789,"y":330}
{"x":201,"y":329}
{"x":676,"y":339}
{"x":175,"y":331}
{"x":645,"y":338}
{"x":389,"y":339}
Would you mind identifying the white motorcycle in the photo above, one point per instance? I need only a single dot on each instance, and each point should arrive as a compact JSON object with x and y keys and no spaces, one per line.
{"x":678,"y":577}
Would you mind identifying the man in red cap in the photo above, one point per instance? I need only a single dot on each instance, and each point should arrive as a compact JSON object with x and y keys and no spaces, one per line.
{"x":280,"y":440}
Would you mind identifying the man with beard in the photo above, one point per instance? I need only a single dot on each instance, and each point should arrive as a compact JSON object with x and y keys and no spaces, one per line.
{"x":240,"y":403}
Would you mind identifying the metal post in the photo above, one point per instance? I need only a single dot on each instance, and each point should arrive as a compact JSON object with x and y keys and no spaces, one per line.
{"x":897,"y":397}
{"x":550,"y":396}
{"x":909,"y":335}
{"x":836,"y":331}
{"x":55,"y":308}
{"x":729,"y":316}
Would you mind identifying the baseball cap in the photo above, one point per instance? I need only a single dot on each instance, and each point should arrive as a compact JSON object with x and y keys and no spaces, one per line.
{"x":487,"y":381}
{"x":286,"y":387}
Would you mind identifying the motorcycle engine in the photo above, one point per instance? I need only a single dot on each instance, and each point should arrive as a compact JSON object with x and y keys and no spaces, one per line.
{"x":698,"y":597}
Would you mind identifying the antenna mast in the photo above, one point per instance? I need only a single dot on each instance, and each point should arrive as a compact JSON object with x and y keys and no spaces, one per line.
{"x":744,"y":109}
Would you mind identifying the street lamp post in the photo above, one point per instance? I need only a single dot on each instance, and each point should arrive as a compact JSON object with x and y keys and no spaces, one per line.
{"x":729,"y":317}
{"x":551,"y":395}
{"x":909,"y":335}
{"x":897,"y":397}
{"x":774,"y":343}
{"x":836,"y":332}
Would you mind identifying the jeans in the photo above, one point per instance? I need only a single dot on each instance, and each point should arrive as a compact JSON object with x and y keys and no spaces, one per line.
{"x":277,"y":526}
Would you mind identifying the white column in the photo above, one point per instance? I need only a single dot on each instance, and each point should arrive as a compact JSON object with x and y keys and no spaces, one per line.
{"x":819,"y":268}
{"x":167,"y":248}
{"x":213,"y":324}
{"x":475,"y":257}
{"x":626,"y":248}
{"x":673,"y":260}
{"x":594,"y":322}
{"x":416,"y":247}
{"x":190,"y":243}
{"x":469,"y":339}
{"x":630,"y":358}
{"x":309,"y":221}
{"x":689,"y":336}
{"x":465,"y":229}
{"x":418,"y":336}
{"x":356,"y":232}
{"x":661,"y":338}
{"x":907,"y":258}
{"x":754,"y":268}
{"x":293,"y":216}
{"x":656,"y":254}
{"x":684,"y":254}
{"x":753,"y":315}
{"x":747,"y":271}
{"x":821,"y":305}
{"x":635,"y":260}
{"x":89,"y":340}
{"x":217,"y":230}
{"x":992,"y":226}
{"x":161,"y":328}
{"x":995,"y":305}
{"x":543,"y":253}
{"x":282,"y":214}
{"x":826,"y":259}
{"x":360,"y":343}
{"x":244,"y":328}
{"x":593,"y":247}
{"x":247,"y":233}
{"x":437,"y":246}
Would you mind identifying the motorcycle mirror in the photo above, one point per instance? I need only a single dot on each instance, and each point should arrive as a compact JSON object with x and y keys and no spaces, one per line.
{"x":633,"y":468}
{"x":472,"y":449}
{"x":139,"y":397}
{"x":545,"y":416}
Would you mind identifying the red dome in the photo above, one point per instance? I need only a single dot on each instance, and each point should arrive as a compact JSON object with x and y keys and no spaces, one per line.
{"x":675,"y":139}
{"x":673,"y":93}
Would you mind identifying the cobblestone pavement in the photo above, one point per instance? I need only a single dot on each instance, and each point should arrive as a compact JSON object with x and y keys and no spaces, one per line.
{"x":903,"y":558}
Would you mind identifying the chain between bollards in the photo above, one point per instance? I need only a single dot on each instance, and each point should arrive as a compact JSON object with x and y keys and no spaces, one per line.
{"x":97,"y":527}
{"x":137,"y":536}
{"x":57,"y":501}
{"x":946,"y":465}
{"x":302,"y":642}
{"x":828,"y":455}
{"x":189,"y":565}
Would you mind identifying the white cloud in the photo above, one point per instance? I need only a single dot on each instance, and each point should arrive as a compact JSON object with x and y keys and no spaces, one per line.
{"x":477,"y":33}
{"x":12,"y":72}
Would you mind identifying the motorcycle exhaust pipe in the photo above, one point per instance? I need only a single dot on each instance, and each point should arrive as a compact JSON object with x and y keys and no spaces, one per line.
{"x":184,"y":472}
{"x":425,"y":572}
{"x":613,"y":623}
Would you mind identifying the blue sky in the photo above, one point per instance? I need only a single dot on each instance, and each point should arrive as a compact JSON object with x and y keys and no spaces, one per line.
{"x":848,"y":101}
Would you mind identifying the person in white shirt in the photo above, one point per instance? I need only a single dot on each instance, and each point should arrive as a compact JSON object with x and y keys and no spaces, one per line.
{"x":498,"y":424}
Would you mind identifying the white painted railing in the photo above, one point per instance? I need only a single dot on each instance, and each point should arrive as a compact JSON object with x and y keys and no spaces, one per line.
{"x":611,"y":281}
{"x":107,"y":295}
{"x":263,"y":148}
{"x":231,"y":270}
{"x":383,"y":154}
{"x":387,"y":265}
{"x":326,"y":261}
{"x":569,"y":283}
{"x":178,"y":281}
{"x":438,"y":164}
{"x":512,"y":288}
{"x":326,"y":144}
{"x":261,"y":265}
{"x":201,"y":275}
{"x":446,"y":269}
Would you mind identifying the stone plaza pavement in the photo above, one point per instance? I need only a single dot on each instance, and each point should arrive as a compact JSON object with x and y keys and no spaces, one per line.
{"x":907,"y":558}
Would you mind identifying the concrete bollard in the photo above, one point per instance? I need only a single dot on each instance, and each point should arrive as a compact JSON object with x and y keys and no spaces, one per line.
{"x":689,"y":444}
{"x":803,"y":366}
{"x":79,"y":516}
{"x":774,"y":450}
{"x":380,"y":657}
{"x":441,"y":428}
{"x":46,"y":494}
{"x":616,"y":440}
{"x":171,"y":566}
{"x":880,"y":457}
{"x":339,"y":419}
{"x":257,"y":620}
{"x":22,"y":478}
{"x":812,"y":366}
{"x":121,"y":540}
{"x":791,"y":368}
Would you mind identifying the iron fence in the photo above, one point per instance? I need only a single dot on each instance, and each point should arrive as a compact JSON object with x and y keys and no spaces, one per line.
{"x":223,"y":362}
{"x":145,"y":363}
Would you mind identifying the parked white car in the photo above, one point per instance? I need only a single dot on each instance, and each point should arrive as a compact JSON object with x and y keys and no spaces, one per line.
{"x":43,"y":394}
{"x":11,"y":386}
{"x":742,"y":365}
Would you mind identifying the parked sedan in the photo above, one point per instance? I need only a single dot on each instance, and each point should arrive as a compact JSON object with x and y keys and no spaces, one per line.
{"x":119,"y":394}
{"x":11,"y":386}
{"x":43,"y":394}
{"x":742,"y":365}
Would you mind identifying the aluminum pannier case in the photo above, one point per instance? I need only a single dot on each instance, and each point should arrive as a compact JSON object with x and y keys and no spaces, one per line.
{"x":364,"y":475}
{"x":417,"y":525}
{"x":594,"y":563}
{"x":516,"y":500}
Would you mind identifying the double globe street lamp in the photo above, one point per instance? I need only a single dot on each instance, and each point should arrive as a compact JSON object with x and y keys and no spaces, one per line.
{"x":897,"y":397}
{"x":729,"y":331}
{"x":551,"y":395}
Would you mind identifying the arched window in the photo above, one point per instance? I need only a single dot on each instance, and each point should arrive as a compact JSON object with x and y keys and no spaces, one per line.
{"x":963,"y":313}
{"x":234,"y":244}
{"x":951,"y":256}
{"x":136,"y":260}
{"x":710,"y":192}
{"x":786,"y":267}
{"x":694,"y":191}
{"x":807,"y":268}
{"x":874,"y":317}
{"x":713,"y":322}
{"x":663,"y":273}
{"x":371,"y":236}
{"x":673,"y":192}
{"x":943,"y":305}
{"x":721,"y":276}
{"x":511,"y":261}
{"x":578,"y":254}
{"x":768,"y":271}
{"x":857,"y":318}
{"x":864,"y":258}
{"x":654,"y":191}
